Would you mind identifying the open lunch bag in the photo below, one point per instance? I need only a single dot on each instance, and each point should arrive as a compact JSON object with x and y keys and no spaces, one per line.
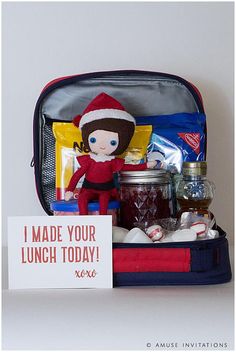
{"x":142,"y":93}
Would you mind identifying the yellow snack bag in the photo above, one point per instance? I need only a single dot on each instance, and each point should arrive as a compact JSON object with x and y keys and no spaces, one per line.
{"x":69,"y":145}
{"x":137,"y":149}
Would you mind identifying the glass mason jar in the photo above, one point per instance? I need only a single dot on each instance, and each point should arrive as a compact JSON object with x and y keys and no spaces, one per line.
{"x":145,"y":197}
{"x":194,"y":192}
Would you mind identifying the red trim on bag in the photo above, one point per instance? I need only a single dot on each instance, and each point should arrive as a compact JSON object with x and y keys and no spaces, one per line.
{"x":198,"y":93}
{"x":57,"y":80}
{"x":151,"y":260}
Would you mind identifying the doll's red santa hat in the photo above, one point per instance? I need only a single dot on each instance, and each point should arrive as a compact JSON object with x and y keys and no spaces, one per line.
{"x":101,"y":107}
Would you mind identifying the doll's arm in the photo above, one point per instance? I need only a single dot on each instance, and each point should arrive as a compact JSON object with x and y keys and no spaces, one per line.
{"x":75,"y":179}
{"x":73,"y":182}
{"x":139,"y":167}
{"x":84,"y":162}
{"x":134,"y":167}
{"x":119,"y":165}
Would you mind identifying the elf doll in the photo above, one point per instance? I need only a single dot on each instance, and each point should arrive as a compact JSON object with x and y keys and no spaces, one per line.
{"x":106,"y":132}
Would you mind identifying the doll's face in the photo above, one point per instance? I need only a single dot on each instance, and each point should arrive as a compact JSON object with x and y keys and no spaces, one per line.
{"x":103,"y":142}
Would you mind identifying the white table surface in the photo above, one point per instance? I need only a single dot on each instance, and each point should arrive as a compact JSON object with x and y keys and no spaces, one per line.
{"x":126,"y":318}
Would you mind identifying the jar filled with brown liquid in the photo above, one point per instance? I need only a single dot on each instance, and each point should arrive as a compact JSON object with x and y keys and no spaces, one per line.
{"x":194,"y":192}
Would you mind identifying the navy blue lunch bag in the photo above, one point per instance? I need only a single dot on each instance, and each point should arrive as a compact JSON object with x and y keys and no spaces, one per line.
{"x":142,"y":93}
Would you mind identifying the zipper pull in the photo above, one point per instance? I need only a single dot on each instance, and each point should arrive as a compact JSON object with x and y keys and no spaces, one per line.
{"x":32,"y":162}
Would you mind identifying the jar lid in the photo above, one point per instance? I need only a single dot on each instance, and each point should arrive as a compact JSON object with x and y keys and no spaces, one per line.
{"x":196,"y":168}
{"x":72,"y":205}
{"x":146,"y":176}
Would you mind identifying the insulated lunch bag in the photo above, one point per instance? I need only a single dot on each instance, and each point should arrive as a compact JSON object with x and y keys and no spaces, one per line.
{"x":142,"y":93}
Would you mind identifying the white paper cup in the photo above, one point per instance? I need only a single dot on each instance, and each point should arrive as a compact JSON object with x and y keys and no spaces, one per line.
{"x":118,"y":234}
{"x":184,"y":235}
{"x":136,"y":236}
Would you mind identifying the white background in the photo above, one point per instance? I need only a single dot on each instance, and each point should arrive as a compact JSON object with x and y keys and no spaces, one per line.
{"x":42,"y":41}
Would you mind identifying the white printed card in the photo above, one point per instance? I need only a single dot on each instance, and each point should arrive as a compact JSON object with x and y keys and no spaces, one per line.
{"x":60,"y":252}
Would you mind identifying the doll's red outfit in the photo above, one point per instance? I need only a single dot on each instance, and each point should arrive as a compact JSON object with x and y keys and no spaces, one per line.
{"x":98,"y":182}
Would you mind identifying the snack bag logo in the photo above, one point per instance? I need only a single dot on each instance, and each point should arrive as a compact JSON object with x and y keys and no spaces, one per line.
{"x":192,"y":139}
{"x":79,"y":147}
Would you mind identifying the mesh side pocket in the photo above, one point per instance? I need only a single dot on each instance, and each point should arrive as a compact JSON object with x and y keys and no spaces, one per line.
{"x":48,"y":164}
